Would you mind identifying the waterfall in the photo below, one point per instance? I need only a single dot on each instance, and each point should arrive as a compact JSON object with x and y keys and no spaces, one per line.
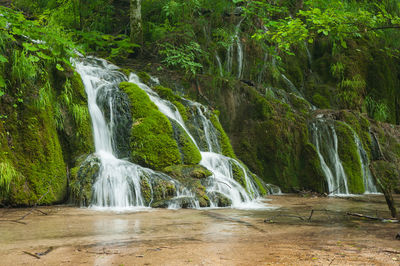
{"x":222,"y":180}
{"x":291,"y":86}
{"x":239,"y":50}
{"x":369,"y":185}
{"x":221,"y":73}
{"x":325,"y":140}
{"x":118,"y":184}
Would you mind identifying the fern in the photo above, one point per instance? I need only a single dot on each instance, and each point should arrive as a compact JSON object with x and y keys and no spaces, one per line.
{"x":7,"y":174}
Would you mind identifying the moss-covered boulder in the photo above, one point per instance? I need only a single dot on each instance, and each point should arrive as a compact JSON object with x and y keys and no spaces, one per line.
{"x":190,"y":154}
{"x":82,"y":178}
{"x":350,"y":158}
{"x":152,"y":141}
{"x":194,"y":178}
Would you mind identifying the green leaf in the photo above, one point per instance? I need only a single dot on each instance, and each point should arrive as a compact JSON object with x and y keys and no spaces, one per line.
{"x":30,"y":47}
{"x":3,"y":59}
{"x":59,"y":67}
{"x":343,"y":43}
{"x":44,"y":56}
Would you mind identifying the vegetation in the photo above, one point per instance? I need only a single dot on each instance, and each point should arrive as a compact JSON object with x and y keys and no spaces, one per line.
{"x":265,"y":65}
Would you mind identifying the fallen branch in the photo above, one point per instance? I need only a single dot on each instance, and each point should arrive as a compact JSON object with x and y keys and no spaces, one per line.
{"x":372,"y":218}
{"x":31,"y":254}
{"x":391,"y":251}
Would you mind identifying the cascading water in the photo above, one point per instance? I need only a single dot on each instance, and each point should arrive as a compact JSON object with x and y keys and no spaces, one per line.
{"x":221,"y":72}
{"x":326,"y":142}
{"x":118,"y":183}
{"x":369,"y":185}
{"x":291,"y":86}
{"x":239,"y":50}
{"x":222,"y":180}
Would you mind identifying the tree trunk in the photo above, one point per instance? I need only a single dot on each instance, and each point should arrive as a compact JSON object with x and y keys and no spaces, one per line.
{"x":136,"y":22}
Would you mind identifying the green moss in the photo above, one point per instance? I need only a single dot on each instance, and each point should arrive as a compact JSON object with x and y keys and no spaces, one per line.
{"x":165,"y":93}
{"x":187,"y":148}
{"x":152,"y":142}
{"x":36,"y":153}
{"x":144,"y":77}
{"x":312,"y":176}
{"x":127,"y":71}
{"x":83,"y":177}
{"x":224,"y":141}
{"x":181,"y":172}
{"x":348,"y":153}
{"x":76,"y":134}
{"x":182,"y":110}
{"x":360,"y":125}
{"x":146,"y":191}
{"x":259,"y":184}
{"x":163,"y":191}
{"x":238,"y":174}
{"x":320,"y":101}
{"x":192,"y":176}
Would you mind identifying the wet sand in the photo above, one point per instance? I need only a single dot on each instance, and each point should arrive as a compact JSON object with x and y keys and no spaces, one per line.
{"x":80,"y":236}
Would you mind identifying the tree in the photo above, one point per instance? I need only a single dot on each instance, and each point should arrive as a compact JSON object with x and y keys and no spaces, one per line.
{"x":136,"y":21}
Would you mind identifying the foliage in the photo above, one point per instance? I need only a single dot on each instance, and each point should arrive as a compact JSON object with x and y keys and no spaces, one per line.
{"x":337,"y":20}
{"x":183,"y":56}
{"x":7,"y":174}
{"x":376,"y":110}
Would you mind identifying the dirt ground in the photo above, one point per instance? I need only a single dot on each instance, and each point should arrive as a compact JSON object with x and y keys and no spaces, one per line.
{"x":271,"y":236}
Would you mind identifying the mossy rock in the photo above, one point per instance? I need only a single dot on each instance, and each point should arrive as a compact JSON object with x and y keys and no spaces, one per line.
{"x":165,"y":93}
{"x":181,"y":172}
{"x":238,"y":174}
{"x":163,"y":191}
{"x":190,"y":154}
{"x":83,"y":177}
{"x":220,"y":199}
{"x":192,"y":177}
{"x":387,"y":175}
{"x":350,"y":158}
{"x":152,"y":141}
{"x":144,"y":77}
{"x":360,"y":125}
{"x":226,"y":147}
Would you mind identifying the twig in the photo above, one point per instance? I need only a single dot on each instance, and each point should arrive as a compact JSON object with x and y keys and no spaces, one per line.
{"x":391,"y":251}
{"x":339,"y":187}
{"x":44,"y":253}
{"x":311,"y":214}
{"x":31,"y":254}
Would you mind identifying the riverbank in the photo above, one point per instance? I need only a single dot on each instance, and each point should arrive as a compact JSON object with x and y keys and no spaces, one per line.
{"x":205,"y":237}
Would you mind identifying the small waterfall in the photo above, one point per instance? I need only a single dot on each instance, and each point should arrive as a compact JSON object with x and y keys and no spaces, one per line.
{"x":222,"y":180}
{"x":118,"y":183}
{"x":369,"y":185}
{"x":239,"y":50}
{"x":221,"y":73}
{"x":325,"y":140}
{"x":291,"y":86}
{"x":309,"y":56}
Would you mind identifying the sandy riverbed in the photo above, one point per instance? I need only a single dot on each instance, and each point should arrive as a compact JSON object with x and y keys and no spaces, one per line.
{"x":205,"y":237}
